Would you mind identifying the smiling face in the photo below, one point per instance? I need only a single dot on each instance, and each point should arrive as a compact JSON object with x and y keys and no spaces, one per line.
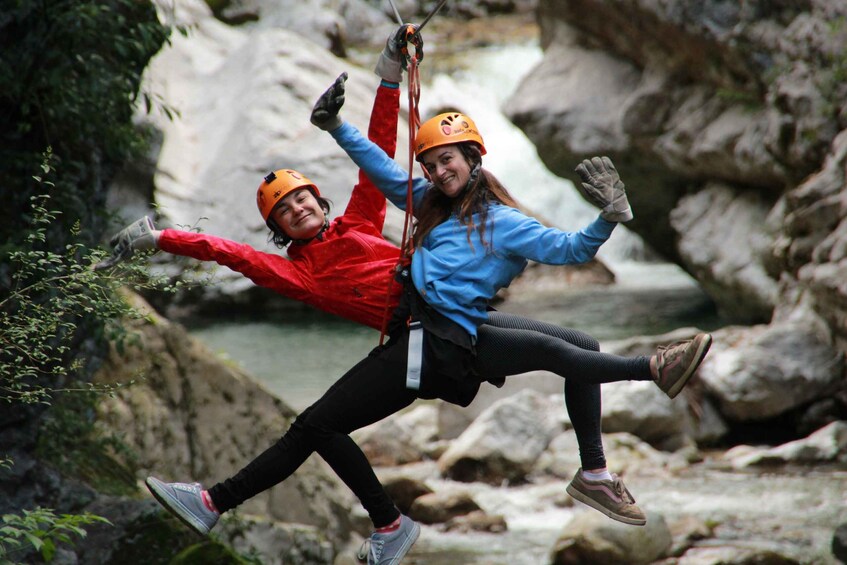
{"x":448,"y":169}
{"x":299,"y":214}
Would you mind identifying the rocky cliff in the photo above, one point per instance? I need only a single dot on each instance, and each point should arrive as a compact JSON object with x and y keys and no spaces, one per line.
{"x":189,"y":416}
{"x":727,"y":120}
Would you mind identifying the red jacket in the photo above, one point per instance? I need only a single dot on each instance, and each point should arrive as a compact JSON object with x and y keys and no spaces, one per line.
{"x":348,"y":271}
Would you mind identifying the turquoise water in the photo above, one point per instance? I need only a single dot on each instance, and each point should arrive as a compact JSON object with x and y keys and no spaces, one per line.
{"x":296,"y":360}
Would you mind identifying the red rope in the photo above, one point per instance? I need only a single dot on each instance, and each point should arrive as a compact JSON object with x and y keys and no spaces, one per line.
{"x":407,"y":243}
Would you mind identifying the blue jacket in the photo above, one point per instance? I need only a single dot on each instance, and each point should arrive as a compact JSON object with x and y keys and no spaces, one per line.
{"x":459,"y":279}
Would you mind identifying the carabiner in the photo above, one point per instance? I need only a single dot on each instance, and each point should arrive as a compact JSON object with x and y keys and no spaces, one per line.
{"x":414,"y":37}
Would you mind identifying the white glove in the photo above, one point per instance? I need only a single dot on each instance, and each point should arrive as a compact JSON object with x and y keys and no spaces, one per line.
{"x":140,"y":235}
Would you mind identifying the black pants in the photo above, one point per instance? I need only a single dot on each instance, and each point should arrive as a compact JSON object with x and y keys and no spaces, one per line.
{"x":370,"y":391}
{"x":510,"y":345}
{"x":376,"y":388}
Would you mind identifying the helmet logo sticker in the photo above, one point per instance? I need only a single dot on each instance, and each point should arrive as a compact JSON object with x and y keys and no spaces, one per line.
{"x":448,"y":127}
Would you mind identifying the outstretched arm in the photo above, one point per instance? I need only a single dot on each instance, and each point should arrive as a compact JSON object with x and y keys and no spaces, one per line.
{"x":601,"y":185}
{"x":526,"y":237}
{"x":374,"y":156}
{"x":386,"y":174}
{"x":265,"y":269}
{"x":268,"y":270}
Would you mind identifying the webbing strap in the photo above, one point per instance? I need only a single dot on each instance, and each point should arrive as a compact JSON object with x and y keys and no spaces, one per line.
{"x":414,"y":358}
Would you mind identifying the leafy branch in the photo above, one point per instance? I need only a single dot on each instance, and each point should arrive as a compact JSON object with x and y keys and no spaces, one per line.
{"x":49,"y":307}
{"x":43,"y":530}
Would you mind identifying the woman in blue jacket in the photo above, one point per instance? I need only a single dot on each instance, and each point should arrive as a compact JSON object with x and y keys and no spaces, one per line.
{"x":470,"y":241}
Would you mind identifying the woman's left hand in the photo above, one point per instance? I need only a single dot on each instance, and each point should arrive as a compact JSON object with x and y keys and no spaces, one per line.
{"x":602,"y":186}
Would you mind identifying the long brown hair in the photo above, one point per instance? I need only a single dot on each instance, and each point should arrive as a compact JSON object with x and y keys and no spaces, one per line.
{"x":483,"y":189}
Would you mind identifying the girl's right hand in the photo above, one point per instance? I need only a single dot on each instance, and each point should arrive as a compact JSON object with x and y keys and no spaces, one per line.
{"x":138,"y":236}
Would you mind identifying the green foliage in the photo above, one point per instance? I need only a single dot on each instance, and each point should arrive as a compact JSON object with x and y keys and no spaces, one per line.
{"x":69,"y":76}
{"x":747,"y":100}
{"x":56,"y":301}
{"x":41,"y":529}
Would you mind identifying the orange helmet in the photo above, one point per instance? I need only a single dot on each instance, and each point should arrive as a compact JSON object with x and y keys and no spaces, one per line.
{"x":446,"y":129}
{"x":277,"y":185}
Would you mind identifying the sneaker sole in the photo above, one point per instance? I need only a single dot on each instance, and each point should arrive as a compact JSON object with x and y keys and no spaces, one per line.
{"x":705,"y":344}
{"x":175,"y":507}
{"x":588,"y":501}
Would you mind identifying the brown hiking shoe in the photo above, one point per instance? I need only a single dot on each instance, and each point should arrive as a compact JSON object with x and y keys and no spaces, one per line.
{"x":609,"y":497}
{"x":677,"y":362}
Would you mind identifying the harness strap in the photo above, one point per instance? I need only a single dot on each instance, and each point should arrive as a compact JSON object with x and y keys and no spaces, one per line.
{"x":414,"y":358}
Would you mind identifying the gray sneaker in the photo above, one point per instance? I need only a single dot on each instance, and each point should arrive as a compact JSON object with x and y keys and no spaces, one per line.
{"x":609,"y":497}
{"x":184,"y":501}
{"x":389,"y":549}
{"x":678,"y":361}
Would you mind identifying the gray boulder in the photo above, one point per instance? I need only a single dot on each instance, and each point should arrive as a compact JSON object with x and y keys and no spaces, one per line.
{"x":593,"y":538}
{"x":504,"y":442}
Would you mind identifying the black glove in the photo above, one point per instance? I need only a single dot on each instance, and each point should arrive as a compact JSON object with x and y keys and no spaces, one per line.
{"x":392,"y":62}
{"x":325,"y":112}
{"x":139,"y":235}
{"x":602,"y":186}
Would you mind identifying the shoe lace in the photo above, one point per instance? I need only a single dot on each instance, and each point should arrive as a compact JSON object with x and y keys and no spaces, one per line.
{"x":666,"y":353}
{"x":622,"y":491}
{"x":370,"y":547}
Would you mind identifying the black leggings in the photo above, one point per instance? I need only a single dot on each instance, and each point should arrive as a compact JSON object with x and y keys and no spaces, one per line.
{"x":500,"y":352}
{"x":376,"y":388}
{"x":372,"y":390}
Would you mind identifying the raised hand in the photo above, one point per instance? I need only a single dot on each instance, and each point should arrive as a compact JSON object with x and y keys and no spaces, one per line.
{"x":325,"y":111}
{"x":602,"y":186}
